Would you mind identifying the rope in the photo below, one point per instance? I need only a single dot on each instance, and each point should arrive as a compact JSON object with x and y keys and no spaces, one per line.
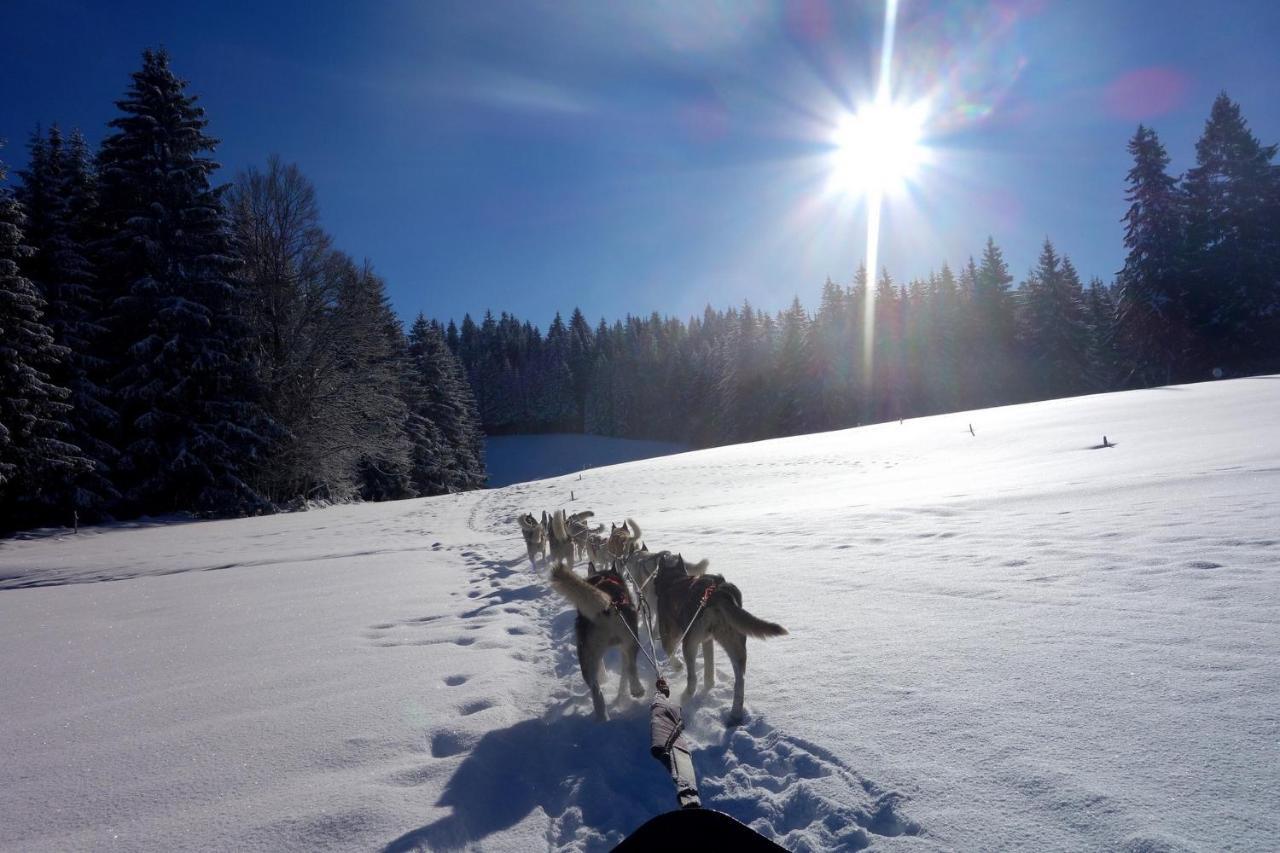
{"x":644,"y":608}
{"x":701,"y":604}
{"x":622,"y":619}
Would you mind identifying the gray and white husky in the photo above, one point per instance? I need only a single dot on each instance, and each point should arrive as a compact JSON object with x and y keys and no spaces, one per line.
{"x":624,"y":539}
{"x":606,"y":617}
{"x":642,"y":565}
{"x":535,"y":536}
{"x":559,"y":541}
{"x":705,"y":608}
{"x":580,"y":530}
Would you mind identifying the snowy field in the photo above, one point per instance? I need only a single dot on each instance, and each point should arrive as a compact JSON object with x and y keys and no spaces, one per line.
{"x":1013,"y":640}
{"x":520,"y":458}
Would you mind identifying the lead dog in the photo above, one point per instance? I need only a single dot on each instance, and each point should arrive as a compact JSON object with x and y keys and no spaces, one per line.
{"x":606,"y":617}
{"x":705,"y":608}
{"x":535,"y":536}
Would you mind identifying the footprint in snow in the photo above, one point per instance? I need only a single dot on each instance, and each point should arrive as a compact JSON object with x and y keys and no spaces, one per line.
{"x":791,"y":790}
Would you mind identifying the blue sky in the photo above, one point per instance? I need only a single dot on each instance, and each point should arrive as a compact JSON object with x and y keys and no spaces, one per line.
{"x":632,"y":157}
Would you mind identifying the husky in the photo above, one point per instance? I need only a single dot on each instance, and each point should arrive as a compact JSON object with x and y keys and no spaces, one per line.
{"x":642,"y":565}
{"x":705,"y":608}
{"x":535,"y":536}
{"x":624,"y":539}
{"x":559,"y":541}
{"x":597,"y":552}
{"x":580,"y":530}
{"x":606,"y":617}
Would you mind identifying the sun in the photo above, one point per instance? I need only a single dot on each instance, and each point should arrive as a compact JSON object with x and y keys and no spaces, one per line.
{"x":879,"y":149}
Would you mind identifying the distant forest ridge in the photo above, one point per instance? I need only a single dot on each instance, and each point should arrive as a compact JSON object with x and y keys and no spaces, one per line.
{"x":1198,"y":297}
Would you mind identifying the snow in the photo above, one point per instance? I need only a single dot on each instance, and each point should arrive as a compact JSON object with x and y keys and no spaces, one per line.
{"x":1007,"y":640}
{"x":520,"y":458}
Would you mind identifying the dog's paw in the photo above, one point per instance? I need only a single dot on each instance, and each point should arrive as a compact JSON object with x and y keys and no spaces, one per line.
{"x":637,"y":690}
{"x":733,"y":719}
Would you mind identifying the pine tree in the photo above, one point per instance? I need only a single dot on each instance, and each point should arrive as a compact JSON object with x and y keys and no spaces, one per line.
{"x":1100,"y":316}
{"x":1054,"y":333}
{"x":191,"y":425}
{"x":369,"y":416}
{"x":58,"y":192}
{"x":1233,"y":196}
{"x":991,"y":331}
{"x":1153,"y":319}
{"x":444,"y":399}
{"x":33,"y":409}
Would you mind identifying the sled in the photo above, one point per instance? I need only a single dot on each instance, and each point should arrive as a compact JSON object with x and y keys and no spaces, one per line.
{"x":693,"y":828}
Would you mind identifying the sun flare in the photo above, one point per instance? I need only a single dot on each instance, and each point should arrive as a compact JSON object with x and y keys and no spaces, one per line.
{"x":879,"y":149}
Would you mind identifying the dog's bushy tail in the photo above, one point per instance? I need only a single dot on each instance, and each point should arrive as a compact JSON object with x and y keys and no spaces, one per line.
{"x":591,"y":602}
{"x":750,"y":624}
{"x":635,"y":529}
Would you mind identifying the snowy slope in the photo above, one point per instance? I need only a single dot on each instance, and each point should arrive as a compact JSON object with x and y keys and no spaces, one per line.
{"x":520,"y":458}
{"x":1008,"y":640}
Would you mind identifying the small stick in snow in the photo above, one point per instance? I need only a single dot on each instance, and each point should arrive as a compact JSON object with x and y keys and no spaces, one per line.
{"x":971,"y":432}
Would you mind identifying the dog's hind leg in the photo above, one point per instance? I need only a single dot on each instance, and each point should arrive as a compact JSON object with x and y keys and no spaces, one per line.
{"x":735,"y":645}
{"x":630,"y":649}
{"x":690,"y":658}
{"x":708,"y":663}
{"x":589,"y":658}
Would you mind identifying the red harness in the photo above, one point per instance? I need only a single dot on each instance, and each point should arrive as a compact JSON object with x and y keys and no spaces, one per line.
{"x":612,"y":586}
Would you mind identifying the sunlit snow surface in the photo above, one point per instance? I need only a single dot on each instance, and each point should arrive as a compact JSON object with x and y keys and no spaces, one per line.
{"x":1007,"y":640}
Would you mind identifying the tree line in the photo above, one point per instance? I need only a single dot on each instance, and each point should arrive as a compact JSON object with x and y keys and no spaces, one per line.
{"x":170,"y":344}
{"x":1198,"y":296}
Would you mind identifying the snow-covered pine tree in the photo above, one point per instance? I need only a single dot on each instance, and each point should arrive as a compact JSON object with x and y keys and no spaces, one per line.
{"x":369,"y":410}
{"x":58,"y":192}
{"x":1233,"y":200}
{"x":192,"y":430}
{"x":444,"y":399}
{"x":33,"y":410}
{"x":1152,"y":319}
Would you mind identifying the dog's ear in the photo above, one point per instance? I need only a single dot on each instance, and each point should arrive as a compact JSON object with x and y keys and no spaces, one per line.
{"x":680,"y":561}
{"x":591,"y":568}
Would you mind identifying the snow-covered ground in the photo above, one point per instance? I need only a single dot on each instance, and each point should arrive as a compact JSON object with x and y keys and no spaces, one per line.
{"x":1009,"y":640}
{"x":520,"y":458}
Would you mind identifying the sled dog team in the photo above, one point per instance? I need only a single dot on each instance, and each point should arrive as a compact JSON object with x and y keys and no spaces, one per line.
{"x":693,"y":609}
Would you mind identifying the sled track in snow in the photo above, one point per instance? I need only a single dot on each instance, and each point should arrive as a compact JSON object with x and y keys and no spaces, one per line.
{"x":595,"y":782}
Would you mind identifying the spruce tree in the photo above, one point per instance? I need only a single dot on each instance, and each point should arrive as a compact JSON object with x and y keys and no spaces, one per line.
{"x":192,"y":429}
{"x":1055,"y":336}
{"x":1152,"y":317}
{"x":1233,"y":198}
{"x":992,"y":332}
{"x":443,"y":398}
{"x":58,"y":192}
{"x":33,"y":410}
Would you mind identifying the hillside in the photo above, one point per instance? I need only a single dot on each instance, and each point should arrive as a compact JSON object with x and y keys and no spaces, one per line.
{"x":1010,"y":639}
